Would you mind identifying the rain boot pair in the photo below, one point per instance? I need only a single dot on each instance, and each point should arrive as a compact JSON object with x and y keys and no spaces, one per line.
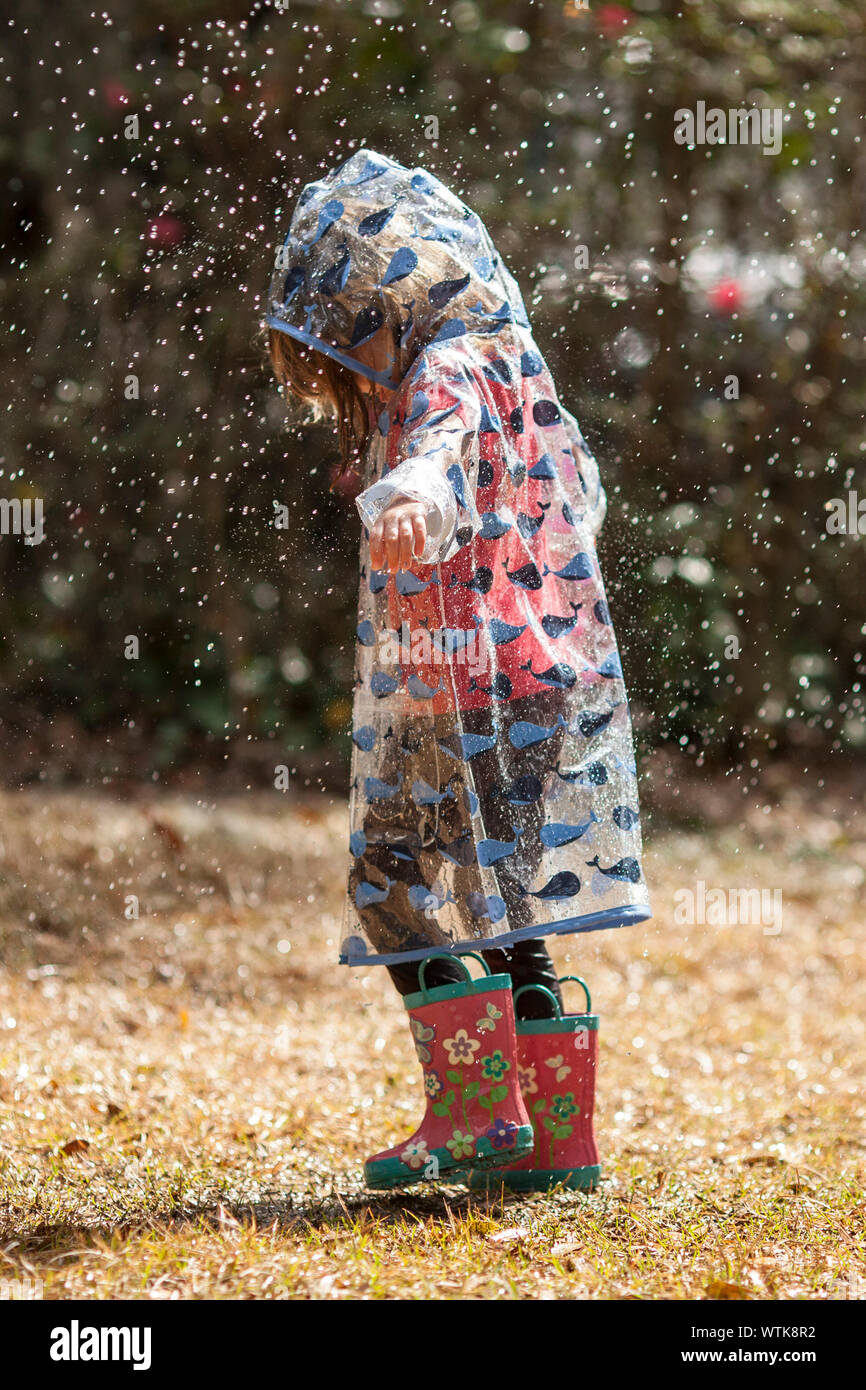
{"x":507,"y":1105}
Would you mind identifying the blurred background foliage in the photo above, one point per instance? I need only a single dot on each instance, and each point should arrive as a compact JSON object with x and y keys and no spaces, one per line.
{"x":134,"y":258}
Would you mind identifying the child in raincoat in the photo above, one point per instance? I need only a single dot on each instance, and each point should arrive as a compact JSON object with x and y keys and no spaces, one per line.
{"x":493,"y":783}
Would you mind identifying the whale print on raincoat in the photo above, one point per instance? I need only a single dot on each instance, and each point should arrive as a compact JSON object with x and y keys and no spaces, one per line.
{"x":492,"y":748}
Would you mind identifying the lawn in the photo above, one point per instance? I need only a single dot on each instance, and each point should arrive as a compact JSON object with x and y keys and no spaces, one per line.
{"x":187,"y":1096}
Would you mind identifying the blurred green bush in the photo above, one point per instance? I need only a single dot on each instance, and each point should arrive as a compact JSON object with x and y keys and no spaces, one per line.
{"x":134,"y":257}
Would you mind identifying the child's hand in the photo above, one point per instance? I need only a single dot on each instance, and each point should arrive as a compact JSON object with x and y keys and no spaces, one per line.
{"x":399,"y":536}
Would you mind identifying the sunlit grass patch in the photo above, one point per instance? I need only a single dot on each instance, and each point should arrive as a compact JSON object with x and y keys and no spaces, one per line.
{"x":186,"y":1099}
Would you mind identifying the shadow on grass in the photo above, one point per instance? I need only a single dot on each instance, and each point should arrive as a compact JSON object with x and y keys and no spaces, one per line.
{"x":283,"y":1214}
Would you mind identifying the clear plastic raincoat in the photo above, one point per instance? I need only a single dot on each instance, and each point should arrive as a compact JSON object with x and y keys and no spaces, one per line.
{"x":493,"y":788}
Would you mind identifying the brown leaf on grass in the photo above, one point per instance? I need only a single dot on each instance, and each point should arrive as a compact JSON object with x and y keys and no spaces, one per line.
{"x":566,"y":1253}
{"x":509,"y":1236}
{"x":770,"y":1159}
{"x":722,"y":1289}
{"x":565,"y":1247}
{"x":74,"y":1146}
{"x":168,"y":833}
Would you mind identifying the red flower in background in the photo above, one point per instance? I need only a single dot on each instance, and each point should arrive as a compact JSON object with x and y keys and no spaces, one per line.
{"x":612,"y":19}
{"x":115,"y":94}
{"x":165,"y":230}
{"x":726,"y":297}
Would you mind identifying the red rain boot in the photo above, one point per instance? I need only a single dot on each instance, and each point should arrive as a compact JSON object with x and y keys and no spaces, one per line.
{"x":558,"y":1058}
{"x":465,"y":1038}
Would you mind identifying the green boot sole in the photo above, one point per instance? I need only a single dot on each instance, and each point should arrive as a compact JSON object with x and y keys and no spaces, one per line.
{"x":534,"y":1179}
{"x":392,"y":1172}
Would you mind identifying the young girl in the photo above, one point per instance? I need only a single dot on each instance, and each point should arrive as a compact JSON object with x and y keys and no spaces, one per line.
{"x":493,"y":791}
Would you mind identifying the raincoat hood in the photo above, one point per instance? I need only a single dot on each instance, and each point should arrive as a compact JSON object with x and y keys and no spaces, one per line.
{"x":374,"y":243}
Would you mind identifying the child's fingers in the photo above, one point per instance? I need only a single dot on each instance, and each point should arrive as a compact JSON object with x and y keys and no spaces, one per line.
{"x":397,"y":539}
{"x":419,"y":535}
{"x":407,"y":542}
{"x":377,"y":548}
{"x":388,"y":542}
{"x":392,"y":541}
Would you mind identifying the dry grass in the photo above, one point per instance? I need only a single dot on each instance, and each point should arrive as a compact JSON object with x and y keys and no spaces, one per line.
{"x":186,"y":1099}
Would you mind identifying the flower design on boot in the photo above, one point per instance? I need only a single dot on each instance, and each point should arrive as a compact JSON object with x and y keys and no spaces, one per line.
{"x":493,"y":1068}
{"x":563,"y":1107}
{"x":526,"y":1080}
{"x":461,"y":1049}
{"x":461,"y":1145}
{"x":558,"y":1065}
{"x":423,"y":1033}
{"x":415,"y":1154}
{"x":502,"y":1134}
{"x":432,"y":1083}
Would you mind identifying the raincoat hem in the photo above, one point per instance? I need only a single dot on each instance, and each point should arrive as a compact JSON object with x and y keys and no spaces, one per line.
{"x":596,"y":921}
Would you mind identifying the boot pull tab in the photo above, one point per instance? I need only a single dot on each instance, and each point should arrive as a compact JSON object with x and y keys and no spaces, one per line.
{"x":542,"y":989}
{"x":584,"y":986}
{"x":447,"y":955}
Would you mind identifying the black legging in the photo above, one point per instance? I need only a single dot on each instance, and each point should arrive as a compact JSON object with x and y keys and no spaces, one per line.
{"x":527,"y":962}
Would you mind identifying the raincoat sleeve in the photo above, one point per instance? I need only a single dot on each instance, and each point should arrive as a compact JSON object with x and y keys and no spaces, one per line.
{"x":437,"y":462}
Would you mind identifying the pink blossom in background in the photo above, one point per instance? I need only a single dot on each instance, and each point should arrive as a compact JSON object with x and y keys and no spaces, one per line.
{"x":115,"y":94}
{"x":726,"y":297}
{"x":612,"y":19}
{"x":165,"y":230}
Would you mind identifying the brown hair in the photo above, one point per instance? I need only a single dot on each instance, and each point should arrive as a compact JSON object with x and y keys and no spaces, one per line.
{"x":329,"y":389}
